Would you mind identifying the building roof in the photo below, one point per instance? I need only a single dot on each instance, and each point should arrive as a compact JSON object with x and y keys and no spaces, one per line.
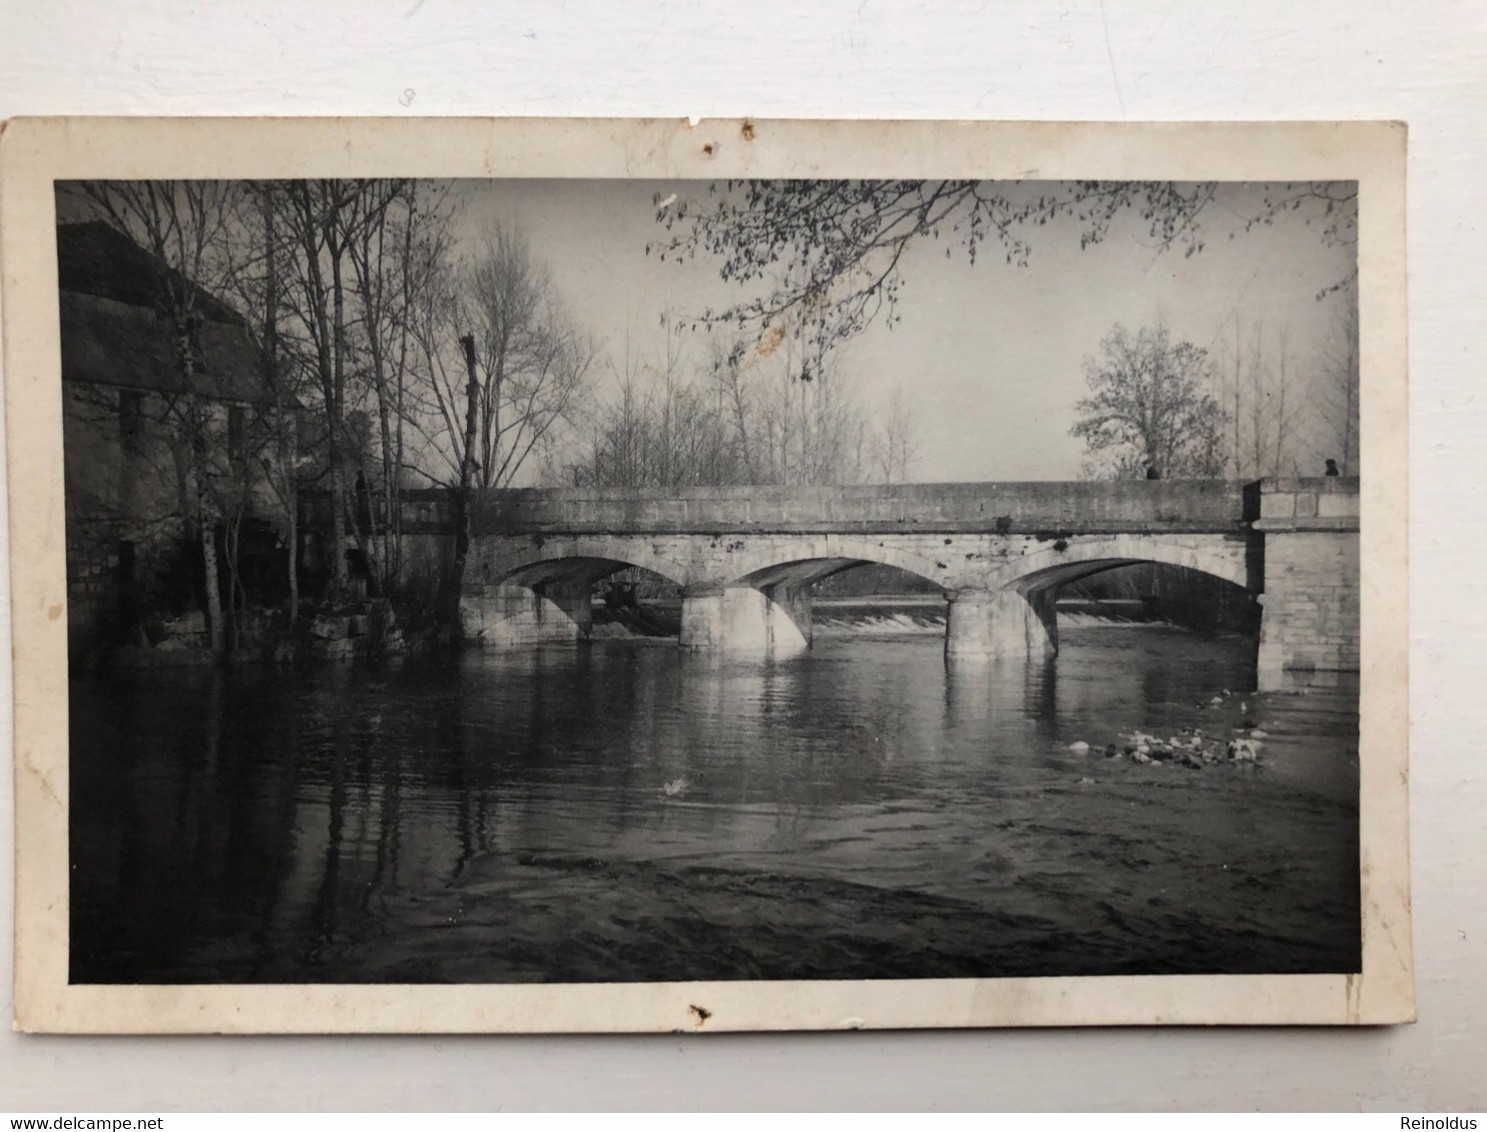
{"x":115,"y":330}
{"x":95,"y":258}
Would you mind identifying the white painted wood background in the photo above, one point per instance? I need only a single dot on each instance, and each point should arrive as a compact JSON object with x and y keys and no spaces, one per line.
{"x":1422,"y":62}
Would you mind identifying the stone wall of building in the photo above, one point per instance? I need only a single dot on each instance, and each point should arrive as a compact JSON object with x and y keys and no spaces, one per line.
{"x":124,"y":520}
{"x":126,"y":501}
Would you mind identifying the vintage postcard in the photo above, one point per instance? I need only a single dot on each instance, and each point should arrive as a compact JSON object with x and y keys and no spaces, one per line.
{"x":556,"y":575}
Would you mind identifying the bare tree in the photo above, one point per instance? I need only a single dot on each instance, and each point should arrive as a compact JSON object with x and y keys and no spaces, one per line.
{"x":898,"y":447}
{"x":531,"y":363}
{"x":1335,"y":394}
{"x":400,"y":229}
{"x":327,"y":272}
{"x":1286,"y":417}
{"x":662,"y":426}
{"x":319,"y":217}
{"x":622,"y":446}
{"x":281,"y":457}
{"x":1150,"y":410}
{"x":1265,"y":420}
{"x":798,"y":432}
{"x":740,"y":417}
{"x":258,"y":250}
{"x":728,"y":376}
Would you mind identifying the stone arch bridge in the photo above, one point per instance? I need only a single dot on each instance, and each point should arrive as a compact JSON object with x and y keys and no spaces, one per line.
{"x":745,"y":557}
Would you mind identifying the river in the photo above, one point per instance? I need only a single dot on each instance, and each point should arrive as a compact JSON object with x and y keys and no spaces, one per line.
{"x":622,"y":811}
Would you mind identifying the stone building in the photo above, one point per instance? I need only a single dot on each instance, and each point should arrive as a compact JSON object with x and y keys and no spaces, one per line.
{"x":139,"y":438}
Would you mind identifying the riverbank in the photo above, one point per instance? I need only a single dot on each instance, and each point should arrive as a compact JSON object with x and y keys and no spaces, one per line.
{"x":370,"y":629}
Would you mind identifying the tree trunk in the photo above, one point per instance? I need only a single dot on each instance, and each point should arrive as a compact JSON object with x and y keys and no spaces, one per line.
{"x":284,"y":445}
{"x":312,"y":229}
{"x":463,"y":497}
{"x":196,"y":447}
{"x":208,"y":538}
{"x":371,"y":283}
{"x":362,"y":495}
{"x":293,"y":609}
{"x":237,"y":596}
{"x":339,"y":574}
{"x":383,"y":411}
{"x":395,"y":487}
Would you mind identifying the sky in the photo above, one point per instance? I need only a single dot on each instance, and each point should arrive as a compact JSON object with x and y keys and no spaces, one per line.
{"x":990,"y":355}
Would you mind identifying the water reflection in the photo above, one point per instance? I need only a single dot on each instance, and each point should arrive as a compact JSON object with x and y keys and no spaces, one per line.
{"x":626,"y":811}
{"x":1013,"y":700}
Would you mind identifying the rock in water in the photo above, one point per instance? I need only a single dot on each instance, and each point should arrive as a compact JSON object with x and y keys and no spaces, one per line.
{"x":1243,"y":750}
{"x":1079,"y":748}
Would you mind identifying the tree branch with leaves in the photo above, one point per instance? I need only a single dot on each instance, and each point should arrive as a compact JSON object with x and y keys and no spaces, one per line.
{"x":829,"y":256}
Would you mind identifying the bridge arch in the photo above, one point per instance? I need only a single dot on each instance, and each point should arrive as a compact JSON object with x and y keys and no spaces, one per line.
{"x":538,"y":590}
{"x":802,"y":561}
{"x":1012,"y":613}
{"x":1227,"y":559}
{"x":575,"y":559}
{"x":758,"y":598}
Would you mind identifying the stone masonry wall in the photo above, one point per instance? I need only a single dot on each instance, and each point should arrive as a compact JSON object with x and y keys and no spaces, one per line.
{"x":1005,"y":508}
{"x":1311,"y":603}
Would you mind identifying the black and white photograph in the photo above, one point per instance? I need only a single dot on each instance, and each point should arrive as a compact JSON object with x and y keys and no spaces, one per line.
{"x":710,"y":580}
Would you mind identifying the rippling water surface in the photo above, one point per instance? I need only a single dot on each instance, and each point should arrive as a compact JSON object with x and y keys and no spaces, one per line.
{"x":623,"y":811}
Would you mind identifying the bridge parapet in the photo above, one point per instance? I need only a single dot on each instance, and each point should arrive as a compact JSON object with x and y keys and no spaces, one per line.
{"x":1207,"y":506}
{"x":1328,"y":503}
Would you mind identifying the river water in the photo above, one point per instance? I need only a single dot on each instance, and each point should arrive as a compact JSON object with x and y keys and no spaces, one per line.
{"x":622,"y":811}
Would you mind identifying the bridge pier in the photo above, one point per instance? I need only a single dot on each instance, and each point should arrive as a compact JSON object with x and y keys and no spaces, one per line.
{"x":744,"y":620}
{"x":510,"y":614}
{"x":1001,"y":624}
{"x":1311,"y":602}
